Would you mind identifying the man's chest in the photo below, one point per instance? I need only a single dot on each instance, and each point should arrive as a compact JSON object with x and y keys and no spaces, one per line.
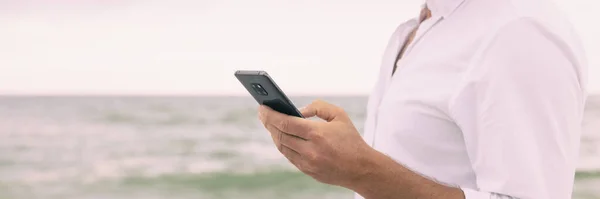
{"x":413,"y":109}
{"x":425,"y":78}
{"x":409,"y":115}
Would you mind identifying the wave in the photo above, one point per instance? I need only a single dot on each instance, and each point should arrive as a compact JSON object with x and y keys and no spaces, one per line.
{"x":591,"y":174}
{"x":166,"y":119}
{"x":226,"y":185}
{"x":246,"y":117}
{"x":221,"y":181}
{"x":238,"y":117}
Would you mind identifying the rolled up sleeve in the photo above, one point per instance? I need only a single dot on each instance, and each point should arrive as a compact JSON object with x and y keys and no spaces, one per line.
{"x":520,"y":111}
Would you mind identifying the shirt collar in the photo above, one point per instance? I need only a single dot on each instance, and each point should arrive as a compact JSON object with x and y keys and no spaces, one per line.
{"x":443,"y":8}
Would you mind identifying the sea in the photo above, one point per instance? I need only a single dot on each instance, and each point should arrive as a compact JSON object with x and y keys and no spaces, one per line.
{"x":176,"y":148}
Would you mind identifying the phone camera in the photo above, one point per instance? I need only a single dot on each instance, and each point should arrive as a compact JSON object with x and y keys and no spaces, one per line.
{"x":259,"y":89}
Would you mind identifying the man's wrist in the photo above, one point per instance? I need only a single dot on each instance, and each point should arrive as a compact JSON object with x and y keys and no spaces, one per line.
{"x":373,"y":168}
{"x":382,"y":177}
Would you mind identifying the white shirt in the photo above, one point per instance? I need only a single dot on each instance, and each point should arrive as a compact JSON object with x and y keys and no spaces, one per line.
{"x":489,"y":97}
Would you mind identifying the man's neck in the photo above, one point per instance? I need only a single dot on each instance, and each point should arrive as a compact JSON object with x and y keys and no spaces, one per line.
{"x":425,"y":14}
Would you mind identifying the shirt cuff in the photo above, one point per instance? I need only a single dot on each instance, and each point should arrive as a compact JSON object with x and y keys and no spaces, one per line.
{"x":472,"y":194}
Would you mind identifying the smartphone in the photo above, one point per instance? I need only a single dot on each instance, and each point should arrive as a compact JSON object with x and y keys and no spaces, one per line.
{"x":266,"y":92}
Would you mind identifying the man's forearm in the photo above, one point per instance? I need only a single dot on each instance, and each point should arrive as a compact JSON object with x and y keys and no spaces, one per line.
{"x":384,"y":178}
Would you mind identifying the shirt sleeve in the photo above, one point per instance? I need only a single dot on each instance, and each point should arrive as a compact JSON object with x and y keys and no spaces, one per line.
{"x":520,"y":110}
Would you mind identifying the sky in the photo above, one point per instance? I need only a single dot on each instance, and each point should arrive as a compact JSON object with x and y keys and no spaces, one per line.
{"x":193,"y":47}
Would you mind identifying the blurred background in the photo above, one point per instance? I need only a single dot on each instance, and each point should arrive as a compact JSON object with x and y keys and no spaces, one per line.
{"x":137,"y":99}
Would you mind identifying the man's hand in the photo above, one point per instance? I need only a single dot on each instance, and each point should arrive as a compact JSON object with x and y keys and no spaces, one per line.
{"x":331,"y":151}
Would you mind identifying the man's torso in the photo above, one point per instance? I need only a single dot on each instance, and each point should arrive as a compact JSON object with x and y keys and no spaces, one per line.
{"x":409,"y":116}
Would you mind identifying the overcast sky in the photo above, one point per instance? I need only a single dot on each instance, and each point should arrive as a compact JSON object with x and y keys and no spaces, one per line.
{"x":194,"y":46}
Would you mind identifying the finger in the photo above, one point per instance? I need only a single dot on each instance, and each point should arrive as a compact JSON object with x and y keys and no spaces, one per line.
{"x":279,"y":138}
{"x":323,"y":110}
{"x":285,"y":123}
{"x":295,"y":143}
{"x":307,"y":113}
{"x":293,"y":156}
{"x":275,"y":135}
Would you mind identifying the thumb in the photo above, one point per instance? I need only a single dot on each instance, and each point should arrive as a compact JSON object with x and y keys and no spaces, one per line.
{"x":323,"y":110}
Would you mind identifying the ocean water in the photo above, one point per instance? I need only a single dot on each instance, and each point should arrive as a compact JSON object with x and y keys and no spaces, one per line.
{"x":176,"y":148}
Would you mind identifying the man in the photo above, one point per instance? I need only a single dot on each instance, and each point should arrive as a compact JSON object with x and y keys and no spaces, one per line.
{"x":475,"y":99}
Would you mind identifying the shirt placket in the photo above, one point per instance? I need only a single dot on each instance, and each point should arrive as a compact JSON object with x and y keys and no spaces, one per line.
{"x":423,"y":28}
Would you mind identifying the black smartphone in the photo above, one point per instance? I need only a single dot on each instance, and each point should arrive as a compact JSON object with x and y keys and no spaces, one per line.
{"x":266,"y":92}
